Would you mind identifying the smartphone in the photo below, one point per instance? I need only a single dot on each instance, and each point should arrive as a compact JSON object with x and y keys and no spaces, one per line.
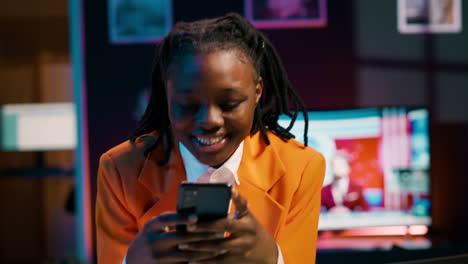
{"x":209,"y":201}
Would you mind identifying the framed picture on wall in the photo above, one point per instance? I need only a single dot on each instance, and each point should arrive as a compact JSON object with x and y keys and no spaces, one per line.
{"x":429,"y":16}
{"x":139,"y":21}
{"x":286,"y":13}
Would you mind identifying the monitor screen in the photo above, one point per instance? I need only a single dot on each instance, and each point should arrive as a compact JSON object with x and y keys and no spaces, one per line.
{"x":378,"y":162}
{"x":38,"y":127}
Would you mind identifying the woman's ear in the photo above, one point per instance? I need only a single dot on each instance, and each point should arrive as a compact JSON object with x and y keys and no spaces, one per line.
{"x":258,"y":89}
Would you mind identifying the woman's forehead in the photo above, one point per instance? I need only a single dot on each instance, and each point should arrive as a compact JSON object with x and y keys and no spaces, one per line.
{"x":218,"y":66}
{"x":192,"y":60}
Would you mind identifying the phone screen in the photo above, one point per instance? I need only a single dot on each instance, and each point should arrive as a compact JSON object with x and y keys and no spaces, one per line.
{"x":208,"y":201}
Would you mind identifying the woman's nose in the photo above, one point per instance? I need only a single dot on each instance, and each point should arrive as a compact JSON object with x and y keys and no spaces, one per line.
{"x":209,"y":117}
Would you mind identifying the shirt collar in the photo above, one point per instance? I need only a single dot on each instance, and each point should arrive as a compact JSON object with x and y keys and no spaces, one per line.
{"x":194,"y":168}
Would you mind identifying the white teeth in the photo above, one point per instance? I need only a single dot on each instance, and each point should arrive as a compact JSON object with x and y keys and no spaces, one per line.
{"x":208,"y":141}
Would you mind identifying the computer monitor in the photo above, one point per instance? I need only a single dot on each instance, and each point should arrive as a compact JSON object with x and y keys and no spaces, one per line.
{"x":38,"y":127}
{"x":378,"y":162}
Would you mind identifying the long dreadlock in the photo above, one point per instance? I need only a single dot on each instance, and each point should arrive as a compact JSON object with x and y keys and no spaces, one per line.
{"x":230,"y":32}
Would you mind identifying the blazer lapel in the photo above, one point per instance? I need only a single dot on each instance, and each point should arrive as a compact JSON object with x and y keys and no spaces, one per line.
{"x":259,"y":170}
{"x":163,"y":183}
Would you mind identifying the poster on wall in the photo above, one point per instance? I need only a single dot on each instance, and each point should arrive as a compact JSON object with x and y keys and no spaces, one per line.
{"x":429,"y":16}
{"x":139,"y":21}
{"x":286,"y":13}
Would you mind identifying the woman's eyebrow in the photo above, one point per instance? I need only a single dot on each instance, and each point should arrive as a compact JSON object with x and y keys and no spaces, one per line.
{"x":230,"y":90}
{"x":188,"y":92}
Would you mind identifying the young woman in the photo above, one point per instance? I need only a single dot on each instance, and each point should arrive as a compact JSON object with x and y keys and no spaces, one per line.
{"x":218,"y":90}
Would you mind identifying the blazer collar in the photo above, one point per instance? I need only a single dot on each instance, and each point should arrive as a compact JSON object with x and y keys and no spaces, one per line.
{"x":162,"y":179}
{"x":256,"y":167}
{"x":259,"y":170}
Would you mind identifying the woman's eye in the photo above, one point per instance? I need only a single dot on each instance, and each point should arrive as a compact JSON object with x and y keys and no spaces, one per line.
{"x":184,"y":109}
{"x":229,"y":106}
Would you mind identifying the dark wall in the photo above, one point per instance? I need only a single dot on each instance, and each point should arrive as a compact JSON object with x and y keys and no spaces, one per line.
{"x":319,"y":61}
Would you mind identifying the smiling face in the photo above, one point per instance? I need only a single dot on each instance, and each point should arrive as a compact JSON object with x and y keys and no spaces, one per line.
{"x":211,"y":99}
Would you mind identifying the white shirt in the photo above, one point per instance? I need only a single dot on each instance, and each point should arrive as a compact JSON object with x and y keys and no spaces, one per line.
{"x":199,"y":172}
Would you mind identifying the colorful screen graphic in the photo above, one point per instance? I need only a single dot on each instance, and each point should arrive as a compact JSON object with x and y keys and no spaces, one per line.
{"x":378,"y":163}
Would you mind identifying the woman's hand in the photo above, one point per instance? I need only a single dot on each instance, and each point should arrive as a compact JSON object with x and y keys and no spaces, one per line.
{"x":248,"y":241}
{"x":158,"y":241}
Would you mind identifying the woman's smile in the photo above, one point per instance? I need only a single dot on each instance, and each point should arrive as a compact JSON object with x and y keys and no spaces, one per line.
{"x":209,"y":144}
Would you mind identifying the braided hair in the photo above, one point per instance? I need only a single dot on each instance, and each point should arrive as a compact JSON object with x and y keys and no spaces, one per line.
{"x":230,"y":32}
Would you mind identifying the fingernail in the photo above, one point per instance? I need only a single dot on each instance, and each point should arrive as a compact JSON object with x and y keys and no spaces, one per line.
{"x":235,"y":192}
{"x":191,"y":228}
{"x":193,"y":218}
{"x":183,"y":246}
{"x":221,"y":252}
{"x":218,"y":235}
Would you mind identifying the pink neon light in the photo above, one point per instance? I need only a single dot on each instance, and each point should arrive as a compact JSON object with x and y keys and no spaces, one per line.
{"x":386,"y":231}
{"x":418,"y":230}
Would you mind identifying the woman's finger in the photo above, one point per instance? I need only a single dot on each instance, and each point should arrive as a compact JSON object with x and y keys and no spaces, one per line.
{"x":215,"y":226}
{"x":168,"y":221}
{"x":217,"y":245}
{"x":182,"y":256}
{"x":232,"y":225}
{"x":176,"y":238}
{"x":222,"y":246}
{"x":242,"y":208}
{"x":223,"y":258}
{"x":239,"y":222}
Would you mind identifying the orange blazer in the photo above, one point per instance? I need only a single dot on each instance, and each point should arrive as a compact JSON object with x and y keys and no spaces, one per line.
{"x":281,"y":182}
